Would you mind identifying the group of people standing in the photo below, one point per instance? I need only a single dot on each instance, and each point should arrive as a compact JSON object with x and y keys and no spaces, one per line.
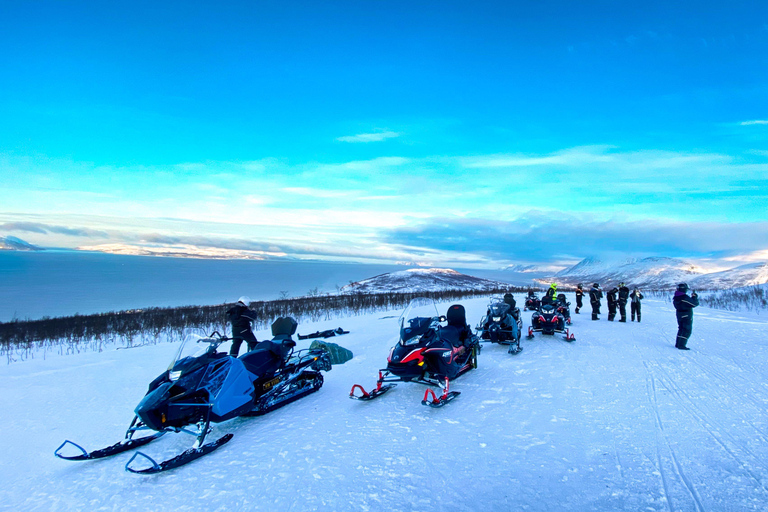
{"x":617,"y":298}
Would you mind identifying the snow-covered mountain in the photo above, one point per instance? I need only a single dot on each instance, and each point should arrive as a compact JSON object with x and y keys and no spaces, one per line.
{"x":531,"y":269}
{"x":745,"y":275}
{"x":11,"y":243}
{"x":420,"y":280}
{"x":645,"y":273}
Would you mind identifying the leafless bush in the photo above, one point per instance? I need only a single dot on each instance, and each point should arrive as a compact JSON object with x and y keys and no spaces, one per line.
{"x":20,"y":340}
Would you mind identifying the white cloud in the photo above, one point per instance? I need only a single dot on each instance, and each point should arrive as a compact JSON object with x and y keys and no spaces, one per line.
{"x":368,"y":137}
{"x":756,"y":121}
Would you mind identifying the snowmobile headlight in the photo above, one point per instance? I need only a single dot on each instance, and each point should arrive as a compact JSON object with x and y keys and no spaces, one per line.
{"x":497,"y":319}
{"x":174,"y":375}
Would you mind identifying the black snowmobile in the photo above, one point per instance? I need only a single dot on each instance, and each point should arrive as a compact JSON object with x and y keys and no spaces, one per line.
{"x":203,"y":386}
{"x":428,"y":352}
{"x":548,"y":320}
{"x":532,"y":302}
{"x":502,"y":324}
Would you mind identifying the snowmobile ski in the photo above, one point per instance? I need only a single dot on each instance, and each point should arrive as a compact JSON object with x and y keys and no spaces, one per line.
{"x":122,"y":446}
{"x":380,"y":390}
{"x":438,"y":401}
{"x":514,"y":349}
{"x":569,"y":336}
{"x":179,"y":460}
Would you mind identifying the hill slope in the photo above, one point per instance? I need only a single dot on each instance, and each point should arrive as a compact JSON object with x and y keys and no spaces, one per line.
{"x":421,"y":280}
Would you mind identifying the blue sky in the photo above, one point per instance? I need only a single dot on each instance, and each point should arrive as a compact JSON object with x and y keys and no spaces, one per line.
{"x":446,"y":133}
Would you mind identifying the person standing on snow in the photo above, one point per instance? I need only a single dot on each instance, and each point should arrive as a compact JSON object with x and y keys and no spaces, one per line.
{"x":579,"y":297}
{"x":634,"y":305}
{"x":241,"y":316}
{"x":623,"y":298}
{"x":612,"y":303}
{"x":684,"y":305}
{"x":595,"y":295}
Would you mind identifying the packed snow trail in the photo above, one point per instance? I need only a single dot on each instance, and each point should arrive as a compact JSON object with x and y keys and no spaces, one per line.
{"x":617,"y":420}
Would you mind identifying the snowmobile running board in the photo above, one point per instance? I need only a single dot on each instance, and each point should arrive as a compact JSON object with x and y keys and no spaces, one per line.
{"x":179,"y":460}
{"x":122,"y":446}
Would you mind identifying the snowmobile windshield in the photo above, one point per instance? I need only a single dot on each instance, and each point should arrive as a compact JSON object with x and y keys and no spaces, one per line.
{"x":498,"y":309}
{"x":420,"y":315}
{"x":194,"y":347}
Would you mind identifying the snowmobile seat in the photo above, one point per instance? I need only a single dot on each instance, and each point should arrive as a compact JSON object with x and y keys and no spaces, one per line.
{"x":285,"y":326}
{"x":262,"y":360}
{"x":450,"y":334}
{"x":456,"y":316}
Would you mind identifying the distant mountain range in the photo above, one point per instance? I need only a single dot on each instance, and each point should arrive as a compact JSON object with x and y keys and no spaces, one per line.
{"x":532,"y":269}
{"x":660,"y":273}
{"x":421,"y":280}
{"x":11,"y":243}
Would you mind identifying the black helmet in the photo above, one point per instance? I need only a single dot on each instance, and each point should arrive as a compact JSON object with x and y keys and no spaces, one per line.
{"x":580,"y":286}
{"x":682,"y":287}
{"x":596,"y":285}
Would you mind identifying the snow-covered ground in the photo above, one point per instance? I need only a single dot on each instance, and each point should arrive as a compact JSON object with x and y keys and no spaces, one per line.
{"x":617,"y":420}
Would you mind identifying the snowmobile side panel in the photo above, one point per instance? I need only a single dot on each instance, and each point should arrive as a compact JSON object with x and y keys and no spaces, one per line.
{"x":179,"y":460}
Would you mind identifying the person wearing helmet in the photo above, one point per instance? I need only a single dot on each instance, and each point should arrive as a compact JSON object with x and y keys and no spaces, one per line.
{"x":595,"y":295}
{"x":579,"y":297}
{"x":551,"y":295}
{"x":684,"y":305}
{"x":623,"y":298}
{"x":241,"y":316}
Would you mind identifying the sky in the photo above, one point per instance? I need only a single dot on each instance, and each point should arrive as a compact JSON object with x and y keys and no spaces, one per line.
{"x":478,"y":134}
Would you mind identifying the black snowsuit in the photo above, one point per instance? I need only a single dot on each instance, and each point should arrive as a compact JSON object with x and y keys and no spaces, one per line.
{"x":623,"y":297}
{"x":595,"y":295}
{"x":579,"y":298}
{"x":635,"y":297}
{"x":612,"y":303}
{"x":684,"y":305}
{"x":241,"y":317}
{"x":510,"y":299}
{"x":549,"y":297}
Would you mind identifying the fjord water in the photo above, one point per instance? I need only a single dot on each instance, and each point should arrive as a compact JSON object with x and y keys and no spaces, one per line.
{"x":60,"y":283}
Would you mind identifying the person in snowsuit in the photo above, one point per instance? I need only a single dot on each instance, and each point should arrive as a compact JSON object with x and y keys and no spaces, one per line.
{"x":684,"y":305}
{"x":623,"y":298}
{"x":579,"y":297}
{"x":634,"y":305}
{"x":241,"y":316}
{"x":510,"y":299}
{"x":612,"y":303}
{"x":595,"y":295}
{"x":551,"y":295}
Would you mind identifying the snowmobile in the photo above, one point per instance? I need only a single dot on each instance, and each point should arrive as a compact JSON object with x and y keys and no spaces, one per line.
{"x":427,"y":352}
{"x":548,"y":320}
{"x":502,"y":324}
{"x":532,"y":302}
{"x":203,"y":386}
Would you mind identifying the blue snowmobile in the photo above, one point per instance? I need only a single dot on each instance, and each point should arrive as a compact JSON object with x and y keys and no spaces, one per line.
{"x":203,"y":386}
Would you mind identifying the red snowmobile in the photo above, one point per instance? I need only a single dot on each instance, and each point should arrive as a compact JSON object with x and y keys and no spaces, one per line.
{"x":428,"y":352}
